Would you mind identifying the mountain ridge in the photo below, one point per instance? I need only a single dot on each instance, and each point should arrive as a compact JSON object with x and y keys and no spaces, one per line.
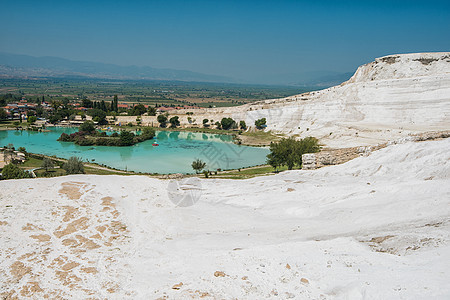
{"x":24,"y":65}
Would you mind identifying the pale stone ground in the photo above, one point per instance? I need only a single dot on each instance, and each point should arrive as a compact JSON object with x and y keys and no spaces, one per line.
{"x":376,"y":227}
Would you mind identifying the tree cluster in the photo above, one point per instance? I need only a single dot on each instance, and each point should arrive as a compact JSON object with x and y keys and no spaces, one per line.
{"x":88,"y":136}
{"x":288,"y":152}
{"x":12,"y":171}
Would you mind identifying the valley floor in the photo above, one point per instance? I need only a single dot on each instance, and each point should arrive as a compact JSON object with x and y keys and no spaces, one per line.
{"x":376,"y":227}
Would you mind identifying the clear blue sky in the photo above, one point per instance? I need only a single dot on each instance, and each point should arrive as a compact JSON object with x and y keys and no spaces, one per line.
{"x":242,"y":39}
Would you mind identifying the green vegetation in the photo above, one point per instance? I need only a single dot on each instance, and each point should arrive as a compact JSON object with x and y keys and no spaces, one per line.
{"x":12,"y":171}
{"x":3,"y":114}
{"x":137,"y":110}
{"x":198,"y":165}
{"x":74,"y":166}
{"x":166,"y":93}
{"x":260,"y":123}
{"x":87,"y":126}
{"x":288,"y":152}
{"x":98,"y":115}
{"x":88,"y":136}
{"x":151,"y":111}
{"x":126,"y":138}
{"x":242,"y":125}
{"x":31,"y":119}
{"x":47,"y":164}
{"x":162,"y":119}
{"x":174,"y":122}
{"x":227,"y":123}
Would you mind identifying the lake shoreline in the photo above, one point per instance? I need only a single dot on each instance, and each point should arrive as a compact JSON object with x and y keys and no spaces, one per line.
{"x":169,"y":152}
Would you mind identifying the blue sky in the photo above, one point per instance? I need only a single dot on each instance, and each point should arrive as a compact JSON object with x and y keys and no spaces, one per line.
{"x":252,"y":40}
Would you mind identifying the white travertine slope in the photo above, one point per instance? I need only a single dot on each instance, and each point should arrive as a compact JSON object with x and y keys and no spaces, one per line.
{"x":377,"y":227}
{"x":386,"y":99}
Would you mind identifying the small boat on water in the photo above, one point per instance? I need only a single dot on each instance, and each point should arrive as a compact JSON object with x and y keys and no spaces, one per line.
{"x":154,"y":144}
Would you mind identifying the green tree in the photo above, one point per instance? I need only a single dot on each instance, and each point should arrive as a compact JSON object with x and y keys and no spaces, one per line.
{"x":31,"y":119}
{"x":86,"y":103}
{"x":289,"y":152}
{"x":174,"y":122}
{"x":162,"y":119}
{"x":74,"y":166}
{"x":148,"y":133}
{"x":103,"y":106}
{"x":87,"y":126}
{"x":98,"y":116}
{"x":47,"y":164}
{"x":126,"y":138}
{"x":116,"y":103}
{"x":227,"y":123}
{"x":11,"y":171}
{"x":242,"y":125}
{"x":205,"y":122}
{"x":198,"y":165}
{"x":151,"y":111}
{"x":137,"y":110}
{"x":260,"y":123}
{"x":307,"y":145}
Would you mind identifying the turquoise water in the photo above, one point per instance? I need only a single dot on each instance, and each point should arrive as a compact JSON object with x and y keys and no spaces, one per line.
{"x":175,"y":152}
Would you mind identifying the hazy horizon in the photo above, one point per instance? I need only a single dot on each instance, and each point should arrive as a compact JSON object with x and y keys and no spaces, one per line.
{"x":254,"y":41}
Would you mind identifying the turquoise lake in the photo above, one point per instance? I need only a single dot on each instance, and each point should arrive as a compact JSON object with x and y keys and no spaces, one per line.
{"x":175,"y":152}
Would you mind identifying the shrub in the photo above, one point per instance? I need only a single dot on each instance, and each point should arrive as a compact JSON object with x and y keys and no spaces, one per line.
{"x":260,"y":123}
{"x":47,"y":164}
{"x":74,"y":166}
{"x":82,"y":141}
{"x":31,"y":119}
{"x":148,"y":133}
{"x":289,"y":152}
{"x":242,"y":125}
{"x":64,"y":137}
{"x":11,"y":171}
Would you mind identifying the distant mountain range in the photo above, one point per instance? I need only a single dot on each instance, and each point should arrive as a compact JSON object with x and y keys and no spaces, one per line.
{"x":25,"y":66}
{"x":14,"y":65}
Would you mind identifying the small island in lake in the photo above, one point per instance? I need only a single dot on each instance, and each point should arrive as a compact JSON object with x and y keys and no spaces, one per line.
{"x":87,"y":135}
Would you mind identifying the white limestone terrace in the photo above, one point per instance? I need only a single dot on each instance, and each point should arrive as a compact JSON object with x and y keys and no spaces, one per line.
{"x":376,"y":227}
{"x":387,"y":99}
